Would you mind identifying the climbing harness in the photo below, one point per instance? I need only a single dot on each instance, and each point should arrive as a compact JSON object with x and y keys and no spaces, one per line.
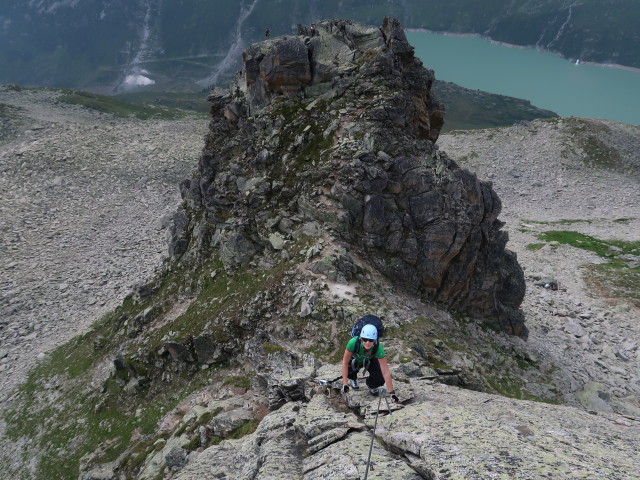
{"x":383,"y":393}
{"x":365,"y":365}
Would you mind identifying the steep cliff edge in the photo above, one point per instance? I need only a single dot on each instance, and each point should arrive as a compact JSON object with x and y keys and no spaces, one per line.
{"x":340,"y":128}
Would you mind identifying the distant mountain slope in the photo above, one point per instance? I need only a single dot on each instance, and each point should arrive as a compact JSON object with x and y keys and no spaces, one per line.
{"x":472,"y":109}
{"x":111,"y":45}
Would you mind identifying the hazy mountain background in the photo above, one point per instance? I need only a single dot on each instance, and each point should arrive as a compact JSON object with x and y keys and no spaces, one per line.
{"x":187,"y":45}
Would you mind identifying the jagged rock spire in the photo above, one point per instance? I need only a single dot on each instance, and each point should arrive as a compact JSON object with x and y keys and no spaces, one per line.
{"x":340,"y":128}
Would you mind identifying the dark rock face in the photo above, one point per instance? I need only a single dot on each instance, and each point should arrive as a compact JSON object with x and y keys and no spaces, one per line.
{"x":283,"y":68}
{"x":340,"y":128}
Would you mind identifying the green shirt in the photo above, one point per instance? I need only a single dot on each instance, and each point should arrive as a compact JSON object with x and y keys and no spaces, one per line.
{"x":363,"y":354}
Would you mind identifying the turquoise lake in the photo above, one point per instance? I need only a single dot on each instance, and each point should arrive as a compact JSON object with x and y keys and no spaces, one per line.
{"x":545,"y":79}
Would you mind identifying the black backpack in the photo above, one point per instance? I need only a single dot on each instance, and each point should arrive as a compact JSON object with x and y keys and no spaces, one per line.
{"x":367,"y":320}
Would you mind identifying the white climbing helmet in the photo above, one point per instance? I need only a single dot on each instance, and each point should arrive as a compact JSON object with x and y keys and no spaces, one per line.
{"x":369,"y":331}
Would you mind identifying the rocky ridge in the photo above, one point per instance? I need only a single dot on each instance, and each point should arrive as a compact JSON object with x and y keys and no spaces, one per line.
{"x":442,"y":434}
{"x":185,"y":445}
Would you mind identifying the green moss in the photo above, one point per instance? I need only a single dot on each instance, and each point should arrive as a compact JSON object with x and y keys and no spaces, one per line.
{"x":522,"y":363}
{"x":306,"y":156}
{"x":183,"y":428}
{"x":535,"y":246}
{"x":193,"y":444}
{"x":82,"y":418}
{"x":205,"y":418}
{"x":243,"y":381}
{"x":271,"y":348}
{"x":436,"y":362}
{"x":513,"y":387}
{"x":214,"y":440}
{"x":246,"y":428}
{"x":615,"y":282}
{"x":508,"y":386}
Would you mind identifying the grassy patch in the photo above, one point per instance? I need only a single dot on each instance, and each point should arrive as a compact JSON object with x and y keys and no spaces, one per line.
{"x":195,"y":102}
{"x":112,"y":416}
{"x":117,"y":107}
{"x":221,"y":297}
{"x":613,"y":281}
{"x":65,"y":416}
{"x":610,"y":249}
{"x":535,"y":246}
{"x":80,"y":422}
{"x":513,"y":387}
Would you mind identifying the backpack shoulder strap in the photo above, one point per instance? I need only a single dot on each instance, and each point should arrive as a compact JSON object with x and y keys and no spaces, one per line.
{"x":356,"y":347}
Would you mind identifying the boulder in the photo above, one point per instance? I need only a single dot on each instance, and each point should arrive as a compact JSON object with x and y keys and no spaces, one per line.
{"x":172,"y":454}
{"x":105,"y":471}
{"x":208,"y":351}
{"x":279,"y":66}
{"x":236,"y":250}
{"x":285,"y":375}
{"x":595,"y":397}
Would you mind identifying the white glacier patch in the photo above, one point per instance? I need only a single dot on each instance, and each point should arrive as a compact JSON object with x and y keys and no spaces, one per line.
{"x":138,"y":80}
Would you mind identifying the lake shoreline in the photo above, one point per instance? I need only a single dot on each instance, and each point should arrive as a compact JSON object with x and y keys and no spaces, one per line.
{"x":522,"y":47}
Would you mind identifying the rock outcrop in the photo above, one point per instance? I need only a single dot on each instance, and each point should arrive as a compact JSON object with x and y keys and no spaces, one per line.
{"x":340,"y":128}
{"x":442,"y":433}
